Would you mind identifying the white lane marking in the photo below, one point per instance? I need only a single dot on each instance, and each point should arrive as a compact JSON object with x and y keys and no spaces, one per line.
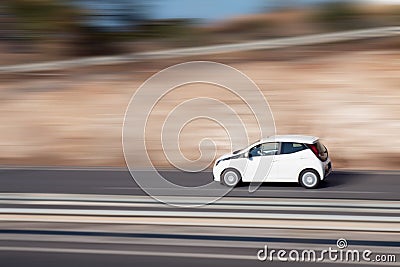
{"x":271,"y":190}
{"x":156,"y":221}
{"x":198,"y":214}
{"x":256,"y":201}
{"x":268,"y":207}
{"x":56,"y":239}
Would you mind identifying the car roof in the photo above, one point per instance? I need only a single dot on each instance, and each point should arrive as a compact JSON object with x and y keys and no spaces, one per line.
{"x":290,"y":138}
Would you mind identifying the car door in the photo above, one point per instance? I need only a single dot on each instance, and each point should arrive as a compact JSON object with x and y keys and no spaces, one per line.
{"x":260,"y":166}
{"x":289,"y":161}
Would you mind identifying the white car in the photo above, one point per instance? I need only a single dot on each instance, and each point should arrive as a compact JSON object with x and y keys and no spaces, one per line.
{"x":280,"y":158}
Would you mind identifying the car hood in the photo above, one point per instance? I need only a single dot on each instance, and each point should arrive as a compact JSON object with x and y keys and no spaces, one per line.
{"x":227,"y":155}
{"x":232,"y":154}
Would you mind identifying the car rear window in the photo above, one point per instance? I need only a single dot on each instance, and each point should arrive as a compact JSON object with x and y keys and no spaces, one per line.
{"x":288,"y":148}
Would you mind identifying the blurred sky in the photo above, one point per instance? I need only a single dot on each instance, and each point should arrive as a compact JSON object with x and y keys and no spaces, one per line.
{"x":211,"y":10}
{"x":205,"y":9}
{"x":113,"y":14}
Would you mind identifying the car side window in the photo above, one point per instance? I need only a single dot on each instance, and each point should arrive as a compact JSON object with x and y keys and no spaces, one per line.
{"x":255,"y":151}
{"x":288,"y":147}
{"x":266,"y":149}
{"x":269,"y":149}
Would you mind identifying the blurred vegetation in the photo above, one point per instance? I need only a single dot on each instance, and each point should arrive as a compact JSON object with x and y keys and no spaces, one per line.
{"x":343,"y":15}
{"x":71,"y":23}
{"x":177,"y":28}
{"x":41,"y":17}
{"x":97,"y":27}
{"x":339,"y":16}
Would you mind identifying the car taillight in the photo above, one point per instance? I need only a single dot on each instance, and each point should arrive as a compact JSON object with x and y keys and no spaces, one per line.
{"x":314,"y":149}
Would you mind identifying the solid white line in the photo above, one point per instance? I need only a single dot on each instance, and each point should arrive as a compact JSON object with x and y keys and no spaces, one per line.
{"x":256,"y":201}
{"x":269,"y":207}
{"x":246,"y":190}
{"x":211,"y":223}
{"x":183,"y":243}
{"x":193,"y":214}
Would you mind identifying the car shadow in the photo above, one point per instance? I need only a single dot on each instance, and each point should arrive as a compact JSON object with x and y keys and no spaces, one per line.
{"x":333,"y":180}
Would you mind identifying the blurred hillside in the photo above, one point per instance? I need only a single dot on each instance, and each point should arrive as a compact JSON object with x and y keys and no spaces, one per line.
{"x":346,"y":93}
{"x":43,"y":30}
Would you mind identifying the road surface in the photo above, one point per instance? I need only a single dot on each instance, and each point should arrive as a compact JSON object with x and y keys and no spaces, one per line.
{"x":100,"y":217}
{"x":339,"y":185}
{"x":126,"y":245}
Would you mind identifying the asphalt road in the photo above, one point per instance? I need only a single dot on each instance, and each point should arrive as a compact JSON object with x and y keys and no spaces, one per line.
{"x":339,"y":185}
{"x":46,"y":239}
{"x":61,"y":259}
{"x":105,"y":245}
{"x":45,"y":259}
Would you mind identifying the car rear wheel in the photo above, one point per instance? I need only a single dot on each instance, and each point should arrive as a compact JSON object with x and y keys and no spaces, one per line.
{"x":309,"y":179}
{"x":231,"y":177}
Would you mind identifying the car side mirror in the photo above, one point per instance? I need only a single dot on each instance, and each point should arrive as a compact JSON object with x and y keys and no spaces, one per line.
{"x":248,"y":155}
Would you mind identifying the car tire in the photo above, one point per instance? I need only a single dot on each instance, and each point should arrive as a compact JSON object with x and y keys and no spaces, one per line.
{"x":231,"y":177}
{"x":309,"y":179}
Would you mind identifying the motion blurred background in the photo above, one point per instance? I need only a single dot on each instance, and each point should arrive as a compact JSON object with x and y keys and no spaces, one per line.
{"x":347,"y":93}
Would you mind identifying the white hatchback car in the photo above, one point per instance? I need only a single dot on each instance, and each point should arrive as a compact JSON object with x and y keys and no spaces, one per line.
{"x":280,"y":158}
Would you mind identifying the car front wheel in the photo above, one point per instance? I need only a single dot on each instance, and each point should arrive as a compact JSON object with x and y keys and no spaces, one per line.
{"x":309,"y":179}
{"x":231,"y":177}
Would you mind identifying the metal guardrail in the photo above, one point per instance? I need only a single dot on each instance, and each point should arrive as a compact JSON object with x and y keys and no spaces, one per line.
{"x":207,"y":50}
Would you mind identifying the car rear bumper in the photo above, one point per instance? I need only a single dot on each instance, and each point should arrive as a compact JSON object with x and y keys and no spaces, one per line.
{"x":327,"y":168}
